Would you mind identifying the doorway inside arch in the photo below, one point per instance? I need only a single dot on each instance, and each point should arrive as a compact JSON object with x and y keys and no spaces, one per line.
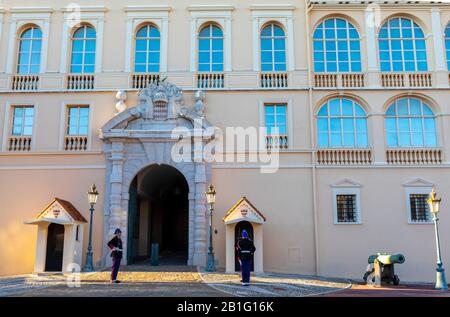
{"x":55,"y":248}
{"x":158,"y":213}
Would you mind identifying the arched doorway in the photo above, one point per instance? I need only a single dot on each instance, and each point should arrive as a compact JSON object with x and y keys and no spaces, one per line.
{"x":55,"y":248}
{"x":158,"y":212}
{"x":240,"y":226}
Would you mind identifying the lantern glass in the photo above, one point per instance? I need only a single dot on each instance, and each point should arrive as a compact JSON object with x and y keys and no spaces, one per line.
{"x":434,"y":203}
{"x":211,"y":195}
{"x":92,"y":195}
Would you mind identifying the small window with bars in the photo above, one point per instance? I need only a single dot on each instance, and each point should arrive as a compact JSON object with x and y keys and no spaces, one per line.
{"x":346,"y":209}
{"x":22,"y":121}
{"x":419,"y":208}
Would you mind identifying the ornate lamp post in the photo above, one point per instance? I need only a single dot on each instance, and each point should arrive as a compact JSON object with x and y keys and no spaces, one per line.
{"x":210,"y":200}
{"x":92,"y":199}
{"x":434,"y":205}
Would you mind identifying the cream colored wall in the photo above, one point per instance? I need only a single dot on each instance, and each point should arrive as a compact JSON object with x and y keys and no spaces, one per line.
{"x":24,"y":193}
{"x":344,"y":248}
{"x":289,"y":222}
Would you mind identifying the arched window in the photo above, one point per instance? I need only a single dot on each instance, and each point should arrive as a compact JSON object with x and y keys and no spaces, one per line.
{"x":342,"y":122}
{"x":83,"y":50}
{"x":148,"y":46}
{"x":410,"y":122}
{"x":402,"y":46}
{"x":273,"y":49}
{"x":210,"y":49}
{"x":336,"y":47}
{"x":29,"y":59}
{"x":447,"y":44}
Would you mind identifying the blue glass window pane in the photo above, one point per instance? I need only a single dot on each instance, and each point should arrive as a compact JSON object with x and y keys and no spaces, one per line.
{"x":319,"y":67}
{"x":90,"y":33}
{"x":418,"y":33}
{"x":90,"y":46}
{"x":153,"y":45}
{"x":318,"y":33}
{"x":280,"y":57}
{"x":404,"y":139}
{"x":330,"y":45}
{"x":361,"y":125}
{"x":216,"y":31}
{"x":318,"y":45}
{"x":344,"y":67}
{"x":356,"y":67}
{"x":141,"y":45}
{"x":402,"y":107}
{"x":77,"y":58}
{"x":140,"y":57}
{"x":385,"y":67}
{"x":416,"y":139}
{"x":384,"y":45}
{"x":391,"y":139}
{"x":396,"y":45}
{"x":279,"y":44}
{"x":323,"y":111}
{"x":353,"y":34}
{"x":362,"y":140}
{"x":322,"y":125}
{"x":266,"y":57}
{"x":427,"y":110}
{"x":430,"y":139}
{"x":394,"y":22}
{"x":331,"y":56}
{"x":420,"y":44}
{"x":267,"y":31}
{"x":142,"y":32}
{"x":416,"y":124}
{"x":89,"y":58}
{"x":37,"y":44}
{"x":319,"y":56}
{"x":217,"y":67}
{"x":266,"y":44}
{"x":349,"y":140}
{"x":153,"y":57}
{"x":203,"y":57}
{"x":422,"y":66}
{"x":395,"y":33}
{"x":89,"y":68}
{"x":347,"y":125}
{"x":335,"y":107}
{"x":403,"y":124}
{"x":322,"y":140}
{"x":397,"y":66}
{"x":347,"y":107}
{"x":203,"y":45}
{"x":280,"y":67}
{"x":335,"y":125}
{"x":409,"y":66}
{"x":77,"y":46}
{"x":408,"y":45}
{"x":278,"y":31}
{"x":341,"y":24}
{"x":336,"y":140}
{"x":342,"y":45}
{"x":76,"y":69}
{"x":203,"y":67}
{"x":359,"y":111}
{"x":217,"y":44}
{"x":266,"y":67}
{"x":217,"y":57}
{"x":355,"y":56}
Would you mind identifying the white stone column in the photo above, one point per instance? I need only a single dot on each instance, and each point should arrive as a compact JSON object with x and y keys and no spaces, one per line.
{"x":164,"y":45}
{"x":255,"y":40}
{"x":376,"y":125}
{"x":200,"y":236}
{"x":64,"y":45}
{"x":128,"y":45}
{"x":99,"y":47}
{"x":228,"y":42}
{"x":229,"y":248}
{"x":258,"y":234}
{"x":44,"y":53}
{"x":11,"y":46}
{"x":41,"y":247}
{"x":191,"y":197}
{"x":115,"y":197}
{"x":193,"y":44}
{"x":441,"y":71}
{"x":371,"y":48}
{"x":290,"y":44}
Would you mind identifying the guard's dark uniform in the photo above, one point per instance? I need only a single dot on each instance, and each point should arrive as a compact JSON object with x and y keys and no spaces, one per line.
{"x":245,"y":248}
{"x":116,"y":256}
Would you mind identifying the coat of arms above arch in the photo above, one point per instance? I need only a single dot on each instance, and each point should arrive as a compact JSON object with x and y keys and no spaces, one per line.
{"x":161,"y":106}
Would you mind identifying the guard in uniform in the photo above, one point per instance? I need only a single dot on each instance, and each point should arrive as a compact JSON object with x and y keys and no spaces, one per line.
{"x":116,"y":253}
{"x":245,"y":248}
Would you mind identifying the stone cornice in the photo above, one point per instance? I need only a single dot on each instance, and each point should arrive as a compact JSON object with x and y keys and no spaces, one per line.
{"x":85,"y":9}
{"x":272,"y":7}
{"x":205,"y":7}
{"x":147,"y":8}
{"x":31,"y":10}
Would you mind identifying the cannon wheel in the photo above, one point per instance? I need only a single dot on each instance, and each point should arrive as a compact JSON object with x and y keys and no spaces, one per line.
{"x":396,"y":280}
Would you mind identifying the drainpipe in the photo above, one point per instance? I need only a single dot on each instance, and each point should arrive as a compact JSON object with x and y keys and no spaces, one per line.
{"x":311,"y":132}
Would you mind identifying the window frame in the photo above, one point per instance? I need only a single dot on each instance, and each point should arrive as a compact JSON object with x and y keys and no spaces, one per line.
{"x":83,"y":52}
{"x":68,"y":117}
{"x":418,"y":190}
{"x":348,"y":40}
{"x":12,"y":119}
{"x":402,"y":40}
{"x":347,"y":190}
{"x":147,"y":39}
{"x":210,"y":50}
{"x":447,"y":44}
{"x":273,"y":37}
{"x":32,"y":40}
{"x":276,"y":105}
{"x":410,"y":117}
{"x":341,"y":118}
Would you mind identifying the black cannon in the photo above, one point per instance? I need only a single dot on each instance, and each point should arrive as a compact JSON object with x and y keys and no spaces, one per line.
{"x":381,"y":269}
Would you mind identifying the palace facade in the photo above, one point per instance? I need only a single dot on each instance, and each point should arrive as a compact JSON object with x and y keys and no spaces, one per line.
{"x":353,"y":98}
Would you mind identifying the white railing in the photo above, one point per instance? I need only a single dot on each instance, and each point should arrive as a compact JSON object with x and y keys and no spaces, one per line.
{"x":75,"y":143}
{"x":325,"y":80}
{"x":422,"y":156}
{"x":140,"y":81}
{"x":273,"y":80}
{"x":25,"y":82}
{"x":407,"y":80}
{"x":277,"y":141}
{"x":210,"y":80}
{"x":352,"y":80}
{"x":19,"y":143}
{"x":344,"y":156}
{"x":80,"y":82}
{"x":339,"y":80}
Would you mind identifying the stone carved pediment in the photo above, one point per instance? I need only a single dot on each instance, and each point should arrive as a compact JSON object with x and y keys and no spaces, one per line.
{"x":160,"y":107}
{"x":244,"y":210}
{"x":418,"y":182}
{"x":346,"y":183}
{"x":58,"y":211}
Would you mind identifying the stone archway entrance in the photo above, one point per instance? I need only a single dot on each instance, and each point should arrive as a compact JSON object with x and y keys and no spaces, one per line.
{"x":158,"y":212}
{"x":144,"y":136}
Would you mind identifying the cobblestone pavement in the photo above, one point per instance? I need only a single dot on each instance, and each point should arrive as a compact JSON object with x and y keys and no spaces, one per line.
{"x":177,"y":281}
{"x":273,"y":285}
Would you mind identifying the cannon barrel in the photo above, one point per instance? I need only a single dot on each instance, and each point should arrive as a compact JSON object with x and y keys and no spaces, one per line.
{"x":387,"y":258}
